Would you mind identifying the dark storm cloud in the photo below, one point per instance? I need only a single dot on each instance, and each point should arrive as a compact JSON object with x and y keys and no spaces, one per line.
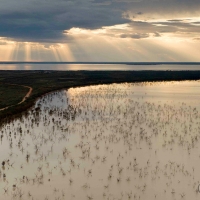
{"x":170,"y":7}
{"x":45,"y":20}
{"x":42,"y":20}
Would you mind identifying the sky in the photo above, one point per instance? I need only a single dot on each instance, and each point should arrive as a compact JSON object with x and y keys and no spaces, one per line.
{"x":100,"y":30}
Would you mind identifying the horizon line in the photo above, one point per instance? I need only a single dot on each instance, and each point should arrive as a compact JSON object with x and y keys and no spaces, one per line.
{"x":126,"y":63}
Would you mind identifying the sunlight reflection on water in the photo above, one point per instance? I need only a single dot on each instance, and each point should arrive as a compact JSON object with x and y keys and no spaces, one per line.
{"x":103,"y":67}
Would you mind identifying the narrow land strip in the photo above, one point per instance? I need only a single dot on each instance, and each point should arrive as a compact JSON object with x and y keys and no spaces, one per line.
{"x":24,"y":99}
{"x":42,"y":82}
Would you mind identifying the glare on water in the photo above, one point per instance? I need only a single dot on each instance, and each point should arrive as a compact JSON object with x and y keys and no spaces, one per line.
{"x":118,"y":141}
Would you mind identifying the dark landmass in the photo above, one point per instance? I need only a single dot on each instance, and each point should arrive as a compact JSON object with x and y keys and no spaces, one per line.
{"x":11,"y":94}
{"x":46,"y":81}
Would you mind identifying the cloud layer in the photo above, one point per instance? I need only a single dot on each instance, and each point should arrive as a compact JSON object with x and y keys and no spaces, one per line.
{"x":46,"y":20}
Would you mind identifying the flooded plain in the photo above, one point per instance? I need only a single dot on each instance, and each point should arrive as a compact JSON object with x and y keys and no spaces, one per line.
{"x":114,"y":142}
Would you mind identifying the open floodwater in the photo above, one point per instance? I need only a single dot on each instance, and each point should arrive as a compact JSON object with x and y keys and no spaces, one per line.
{"x":114,"y":142}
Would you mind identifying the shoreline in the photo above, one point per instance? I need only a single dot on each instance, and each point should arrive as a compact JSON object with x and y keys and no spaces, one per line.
{"x":74,"y":82}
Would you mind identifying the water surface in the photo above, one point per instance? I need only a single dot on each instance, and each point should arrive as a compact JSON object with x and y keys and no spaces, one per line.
{"x":92,"y":67}
{"x":118,"y":141}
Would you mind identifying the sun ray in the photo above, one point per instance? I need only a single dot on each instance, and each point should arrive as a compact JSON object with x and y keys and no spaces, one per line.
{"x":15,"y":54}
{"x":54,"y":52}
{"x":65,"y":53}
{"x":27,"y":51}
{"x":7,"y":50}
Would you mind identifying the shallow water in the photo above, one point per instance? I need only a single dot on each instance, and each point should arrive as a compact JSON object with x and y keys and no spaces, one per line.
{"x":118,"y":141}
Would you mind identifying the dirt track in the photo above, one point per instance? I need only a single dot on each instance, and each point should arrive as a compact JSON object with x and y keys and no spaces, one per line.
{"x":24,"y":99}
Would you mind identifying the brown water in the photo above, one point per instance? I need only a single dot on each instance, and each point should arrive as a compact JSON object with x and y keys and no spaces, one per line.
{"x":119,"y":141}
